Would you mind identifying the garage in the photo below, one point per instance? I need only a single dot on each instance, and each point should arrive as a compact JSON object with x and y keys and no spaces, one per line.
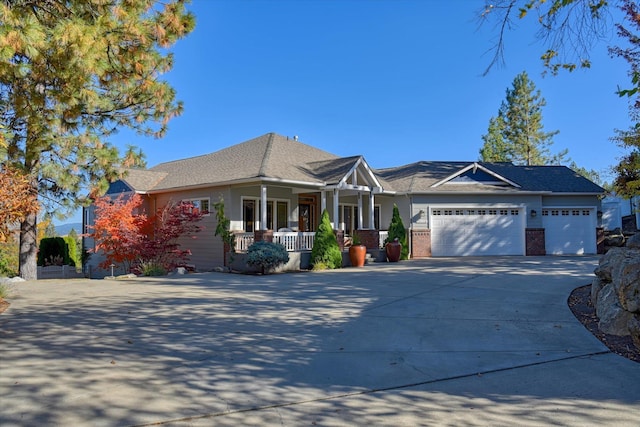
{"x":477,"y":231}
{"x":569,"y":231}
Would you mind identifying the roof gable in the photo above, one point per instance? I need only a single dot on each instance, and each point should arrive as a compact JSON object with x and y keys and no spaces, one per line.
{"x":469,"y":175}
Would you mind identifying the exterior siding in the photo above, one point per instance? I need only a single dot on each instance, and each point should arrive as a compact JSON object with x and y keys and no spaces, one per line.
{"x":206,"y":248}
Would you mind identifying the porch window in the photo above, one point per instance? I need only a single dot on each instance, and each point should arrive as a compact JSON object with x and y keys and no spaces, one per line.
{"x":276,"y":209}
{"x":349,"y":218}
{"x":280,"y":210}
{"x":249,"y":214}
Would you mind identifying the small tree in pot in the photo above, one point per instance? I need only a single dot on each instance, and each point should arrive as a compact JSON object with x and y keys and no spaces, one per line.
{"x":397,"y":235}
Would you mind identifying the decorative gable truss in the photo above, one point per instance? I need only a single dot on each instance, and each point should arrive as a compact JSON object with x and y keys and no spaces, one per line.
{"x":359,"y":178}
{"x":476,"y":173}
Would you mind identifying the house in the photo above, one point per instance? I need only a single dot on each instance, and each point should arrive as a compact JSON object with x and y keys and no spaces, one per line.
{"x":276,"y":188}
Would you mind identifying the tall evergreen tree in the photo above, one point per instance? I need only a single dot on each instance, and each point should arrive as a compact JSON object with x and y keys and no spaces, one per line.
{"x":495,"y":148}
{"x":517,"y":135}
{"x":71,"y":73}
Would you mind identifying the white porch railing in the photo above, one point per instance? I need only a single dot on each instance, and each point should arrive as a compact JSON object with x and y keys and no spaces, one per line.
{"x":293,"y":241}
{"x":243,"y":241}
{"x":383,"y":236}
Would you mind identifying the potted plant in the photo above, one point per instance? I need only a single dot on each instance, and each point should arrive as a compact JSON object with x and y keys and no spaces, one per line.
{"x":396,"y":243}
{"x":357,"y":251}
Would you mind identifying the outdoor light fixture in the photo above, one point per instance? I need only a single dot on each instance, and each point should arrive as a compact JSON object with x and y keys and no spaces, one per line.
{"x":533,"y":213}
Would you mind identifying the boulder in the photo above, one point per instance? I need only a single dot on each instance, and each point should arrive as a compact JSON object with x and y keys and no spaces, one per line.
{"x":634,"y":329}
{"x":613,"y":318}
{"x":608,"y":262}
{"x":596,"y":285}
{"x":614,"y":240}
{"x":633,"y":241}
{"x":626,"y":282}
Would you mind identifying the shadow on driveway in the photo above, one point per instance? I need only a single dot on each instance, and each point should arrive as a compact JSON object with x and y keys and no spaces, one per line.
{"x":447,"y":341}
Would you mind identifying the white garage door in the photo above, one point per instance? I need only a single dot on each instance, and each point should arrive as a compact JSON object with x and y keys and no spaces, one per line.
{"x":482,"y":231}
{"x":569,"y":230}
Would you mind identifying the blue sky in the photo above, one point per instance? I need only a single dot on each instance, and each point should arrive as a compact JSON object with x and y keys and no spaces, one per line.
{"x":396,"y":81}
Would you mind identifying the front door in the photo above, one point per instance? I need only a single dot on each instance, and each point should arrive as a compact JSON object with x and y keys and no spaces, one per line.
{"x":307,"y":208}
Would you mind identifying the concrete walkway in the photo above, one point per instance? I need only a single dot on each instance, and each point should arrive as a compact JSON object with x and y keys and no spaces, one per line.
{"x":473,"y":341}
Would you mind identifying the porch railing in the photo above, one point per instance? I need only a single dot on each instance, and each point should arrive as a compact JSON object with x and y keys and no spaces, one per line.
{"x":383,"y":235}
{"x":243,"y":241}
{"x":292,"y":240}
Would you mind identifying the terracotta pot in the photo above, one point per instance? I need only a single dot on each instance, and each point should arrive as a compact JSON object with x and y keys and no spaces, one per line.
{"x":393,"y":249}
{"x":357,"y":254}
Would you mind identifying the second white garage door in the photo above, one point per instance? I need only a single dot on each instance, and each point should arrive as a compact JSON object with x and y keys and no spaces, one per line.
{"x":482,"y":231}
{"x":569,"y":230}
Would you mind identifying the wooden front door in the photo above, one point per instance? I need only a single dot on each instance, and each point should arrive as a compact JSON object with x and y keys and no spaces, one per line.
{"x":307,"y":212}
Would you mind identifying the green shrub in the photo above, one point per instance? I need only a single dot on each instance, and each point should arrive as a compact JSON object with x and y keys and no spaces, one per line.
{"x":325,"y":251}
{"x":397,"y":231}
{"x":9,"y":258}
{"x":72,"y":246}
{"x":151,"y":269}
{"x":267,"y":255}
{"x":53,"y":250}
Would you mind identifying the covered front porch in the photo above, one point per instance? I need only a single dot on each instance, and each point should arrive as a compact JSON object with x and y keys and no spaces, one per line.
{"x":289,"y":213}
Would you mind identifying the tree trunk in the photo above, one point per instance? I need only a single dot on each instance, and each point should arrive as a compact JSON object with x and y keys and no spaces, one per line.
{"x":28,"y":261}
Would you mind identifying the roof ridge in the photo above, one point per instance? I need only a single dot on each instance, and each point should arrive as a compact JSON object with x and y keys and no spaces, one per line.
{"x":267,"y":154}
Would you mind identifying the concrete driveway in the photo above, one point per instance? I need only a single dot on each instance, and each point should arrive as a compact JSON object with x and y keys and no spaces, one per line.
{"x":473,"y":341}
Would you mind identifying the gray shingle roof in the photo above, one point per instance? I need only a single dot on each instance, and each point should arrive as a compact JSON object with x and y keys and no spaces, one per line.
{"x":278,"y":157}
{"x":270,"y":155}
{"x":420,"y":177}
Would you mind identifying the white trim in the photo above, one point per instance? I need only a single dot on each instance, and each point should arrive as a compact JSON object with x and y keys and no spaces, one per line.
{"x":475,"y":166}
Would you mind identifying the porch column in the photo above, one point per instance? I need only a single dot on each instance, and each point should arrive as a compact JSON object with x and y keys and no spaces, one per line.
{"x":263,"y":207}
{"x":336,"y":215}
{"x":359,"y":211}
{"x":323,"y":201}
{"x":372,"y":210}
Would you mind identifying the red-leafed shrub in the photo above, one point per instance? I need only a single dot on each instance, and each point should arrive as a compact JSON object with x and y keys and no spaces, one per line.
{"x":143,"y":244}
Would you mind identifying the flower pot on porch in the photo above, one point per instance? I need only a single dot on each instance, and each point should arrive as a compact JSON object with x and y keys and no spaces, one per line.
{"x":357,"y":254}
{"x":393,"y":250}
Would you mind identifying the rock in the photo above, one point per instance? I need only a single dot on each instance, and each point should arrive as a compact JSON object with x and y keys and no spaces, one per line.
{"x":181,"y":270}
{"x":613,"y":318}
{"x":607,"y":261}
{"x":627,"y":284}
{"x":614,"y":240}
{"x":126,"y":276}
{"x":596,"y":285}
{"x":222,"y":269}
{"x":9,"y":280}
{"x":633,"y":241}
{"x":634,"y":330}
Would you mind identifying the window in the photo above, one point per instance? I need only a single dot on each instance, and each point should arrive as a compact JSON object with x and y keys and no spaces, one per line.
{"x":249,"y":215}
{"x":348,"y":221}
{"x":199,"y":205}
{"x":276,"y":209}
{"x":515,"y":212}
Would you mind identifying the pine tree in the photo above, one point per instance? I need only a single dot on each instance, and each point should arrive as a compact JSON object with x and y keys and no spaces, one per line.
{"x":73,"y":72}
{"x":495,"y":148}
{"x":517,"y":134}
